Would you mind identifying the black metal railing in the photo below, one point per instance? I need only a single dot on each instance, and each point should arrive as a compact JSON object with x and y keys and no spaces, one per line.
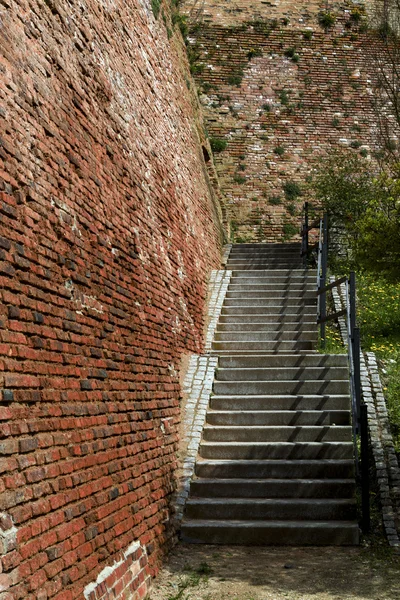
{"x":359,"y":409}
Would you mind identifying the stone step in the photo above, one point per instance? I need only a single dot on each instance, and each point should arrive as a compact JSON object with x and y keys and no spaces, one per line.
{"x":308,"y":509}
{"x":286,"y":273}
{"x":266,"y":245}
{"x":285,"y":387}
{"x":272,"y":327}
{"x":281,"y":303}
{"x":276,"y":450}
{"x":281,"y":402}
{"x":282,"y":374}
{"x":281,"y":417}
{"x":273,"y":488}
{"x":276,"y":533}
{"x":275,"y":312}
{"x":277,"y":346}
{"x":283,"y":360}
{"x":288,"y":469}
{"x":266,"y":336}
{"x":277,"y":287}
{"x":280,"y":294}
{"x":276,"y":433}
{"x":271,"y":319}
{"x":260,"y":266}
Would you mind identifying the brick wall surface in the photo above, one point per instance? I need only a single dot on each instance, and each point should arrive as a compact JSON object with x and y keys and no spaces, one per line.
{"x":300,"y":91}
{"x":108,"y":232}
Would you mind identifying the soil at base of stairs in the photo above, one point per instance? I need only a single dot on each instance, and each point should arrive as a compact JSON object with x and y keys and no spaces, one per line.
{"x":202,"y":572}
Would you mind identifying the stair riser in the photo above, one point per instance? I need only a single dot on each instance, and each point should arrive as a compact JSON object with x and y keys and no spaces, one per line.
{"x":277,"y":403}
{"x":288,"y":418}
{"x":249,"y":388}
{"x":274,"y":289}
{"x":305,"y":321}
{"x":274,"y":312}
{"x":276,"y":328}
{"x":309,"y":511}
{"x":280,"y":304}
{"x":214,"y":433}
{"x":265,"y":535}
{"x":278,"y":294}
{"x":272,"y":489}
{"x":286,"y":273}
{"x":283,"y":361}
{"x":276,"y":346}
{"x":266,"y":336}
{"x":285,"y":469}
{"x":282,"y":374}
{"x":282,"y":451}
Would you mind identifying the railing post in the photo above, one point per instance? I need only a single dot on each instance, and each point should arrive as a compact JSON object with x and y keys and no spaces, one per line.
{"x":352,"y":302}
{"x":357,"y":375}
{"x":324,"y":261}
{"x":365,"y":520}
{"x":305,"y":238}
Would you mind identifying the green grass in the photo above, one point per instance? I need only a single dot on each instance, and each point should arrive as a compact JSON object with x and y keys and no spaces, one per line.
{"x":379,"y":319}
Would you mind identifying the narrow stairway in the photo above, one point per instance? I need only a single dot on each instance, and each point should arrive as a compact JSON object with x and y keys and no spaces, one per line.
{"x":275,"y":463}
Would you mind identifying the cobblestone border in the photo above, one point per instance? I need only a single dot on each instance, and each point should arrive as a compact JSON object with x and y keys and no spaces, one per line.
{"x":386,"y":465}
{"x":218,"y":286}
{"x":198,"y":386}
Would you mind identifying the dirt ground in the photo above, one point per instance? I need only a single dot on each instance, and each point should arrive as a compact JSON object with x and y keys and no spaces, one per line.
{"x":200,"y":572}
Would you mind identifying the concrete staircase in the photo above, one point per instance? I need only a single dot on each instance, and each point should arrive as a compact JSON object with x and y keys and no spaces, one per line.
{"x":275,"y":464}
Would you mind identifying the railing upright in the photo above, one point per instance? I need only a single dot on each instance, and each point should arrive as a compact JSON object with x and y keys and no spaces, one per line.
{"x":305,"y":235}
{"x":324,"y":269}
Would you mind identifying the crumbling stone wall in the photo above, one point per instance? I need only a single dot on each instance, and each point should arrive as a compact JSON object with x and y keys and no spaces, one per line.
{"x":108,"y":232}
{"x":281,"y":90}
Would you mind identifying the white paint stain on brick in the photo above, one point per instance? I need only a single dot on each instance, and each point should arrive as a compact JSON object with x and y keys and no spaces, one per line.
{"x":107,"y":571}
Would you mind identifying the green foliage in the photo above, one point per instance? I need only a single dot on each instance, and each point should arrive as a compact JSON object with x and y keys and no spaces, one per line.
{"x":292,"y":54}
{"x":238,"y":178}
{"x":326,"y":19}
{"x":289,"y":230}
{"x":266,"y":107}
{"x":379,"y":320}
{"x":366,"y":208}
{"x":291,"y":208}
{"x":356,"y":14}
{"x":307,"y":34}
{"x":155,"y":7}
{"x":335,"y":122}
{"x":275,"y":200}
{"x":241,"y":167}
{"x":279,"y":150}
{"x":292,"y":190}
{"x":217,"y":144}
{"x":254,"y":52}
{"x":235,"y":78}
{"x":284,"y":97}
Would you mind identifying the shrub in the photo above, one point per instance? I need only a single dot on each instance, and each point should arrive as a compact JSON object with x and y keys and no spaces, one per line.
{"x":292,"y":190}
{"x":238,"y":178}
{"x":307,"y":34}
{"x":235,"y":78}
{"x":155,"y":7}
{"x":284,"y":97}
{"x":326,"y":19}
{"x":279,"y":150}
{"x":217,"y":144}
{"x":275,"y":200}
{"x":289,"y":230}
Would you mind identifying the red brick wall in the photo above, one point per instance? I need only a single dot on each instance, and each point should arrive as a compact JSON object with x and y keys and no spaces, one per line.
{"x":282,"y":115}
{"x":107,"y":236}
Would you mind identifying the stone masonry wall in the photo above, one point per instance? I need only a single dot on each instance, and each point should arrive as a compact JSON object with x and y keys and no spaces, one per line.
{"x":282,"y":91}
{"x":108,"y":232}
